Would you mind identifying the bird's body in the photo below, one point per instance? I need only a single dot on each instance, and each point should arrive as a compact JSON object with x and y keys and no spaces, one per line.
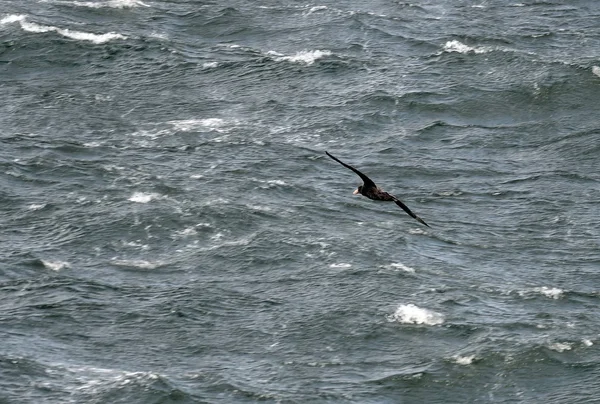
{"x":372,"y":191}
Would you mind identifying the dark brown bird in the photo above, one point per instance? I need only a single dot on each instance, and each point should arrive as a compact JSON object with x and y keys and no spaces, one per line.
{"x":372,"y":191}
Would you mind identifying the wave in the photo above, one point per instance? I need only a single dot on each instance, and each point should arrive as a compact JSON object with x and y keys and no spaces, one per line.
{"x":55,"y":265}
{"x":119,"y":4}
{"x":141,"y":197}
{"x":138,"y":264}
{"x":68,"y":33}
{"x":305,"y":57}
{"x":411,"y":314}
{"x":457,"y":46}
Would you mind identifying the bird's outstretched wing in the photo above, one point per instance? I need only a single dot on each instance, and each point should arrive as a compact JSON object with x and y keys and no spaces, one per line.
{"x":368,"y":182}
{"x":410,"y":212}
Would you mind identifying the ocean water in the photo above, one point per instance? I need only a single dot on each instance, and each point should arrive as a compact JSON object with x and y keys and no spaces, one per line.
{"x":173,"y":232}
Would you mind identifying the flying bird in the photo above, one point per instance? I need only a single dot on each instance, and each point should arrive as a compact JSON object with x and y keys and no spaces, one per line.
{"x":372,"y":191}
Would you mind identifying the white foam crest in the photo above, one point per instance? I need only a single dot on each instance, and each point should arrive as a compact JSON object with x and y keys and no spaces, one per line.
{"x":560,"y":346}
{"x":270,"y":183}
{"x":210,"y":65}
{"x":188,"y":231}
{"x":305,"y":57}
{"x":401,"y":266}
{"x":105,"y":4}
{"x":87,"y":36}
{"x":141,"y":197}
{"x":36,"y":206}
{"x":260,"y":208}
{"x":216,"y":201}
{"x":411,"y":314}
{"x":457,"y":46}
{"x":141,"y":264}
{"x":214,"y":124}
{"x":9,"y":19}
{"x":90,"y":379}
{"x":554,"y":293}
{"x":55,"y":265}
{"x":596,"y":70}
{"x":137,"y":244}
{"x":314,"y":9}
{"x":341,"y":265}
{"x":464,"y":360}
{"x":77,"y":35}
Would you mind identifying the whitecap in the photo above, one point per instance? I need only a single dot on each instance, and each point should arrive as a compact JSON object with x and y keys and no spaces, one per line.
{"x":9,"y":19}
{"x":305,"y":57}
{"x":77,"y":35}
{"x":210,"y":65}
{"x":87,"y":36}
{"x":341,"y":265}
{"x":411,"y":314}
{"x":596,"y":70}
{"x":457,"y":46}
{"x":401,"y":266}
{"x":91,"y":380}
{"x":587,"y":342}
{"x":260,"y":208}
{"x":464,"y":360}
{"x":100,"y":4}
{"x":141,"y":264}
{"x":554,"y":293}
{"x":55,"y":265}
{"x":141,"y":197}
{"x":560,"y":346}
{"x":314,"y":9}
{"x":36,"y":206}
{"x":188,"y":231}
{"x":137,"y":244}
{"x":215,"y":124}
{"x":92,"y":144}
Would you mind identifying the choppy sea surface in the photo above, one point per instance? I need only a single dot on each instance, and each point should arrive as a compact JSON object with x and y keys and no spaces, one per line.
{"x":171,"y":230}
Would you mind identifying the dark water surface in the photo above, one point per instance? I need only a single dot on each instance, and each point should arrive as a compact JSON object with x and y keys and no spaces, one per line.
{"x":172,"y":231}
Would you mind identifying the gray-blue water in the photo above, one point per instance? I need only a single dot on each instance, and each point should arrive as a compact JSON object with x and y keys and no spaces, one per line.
{"x":171,"y":230}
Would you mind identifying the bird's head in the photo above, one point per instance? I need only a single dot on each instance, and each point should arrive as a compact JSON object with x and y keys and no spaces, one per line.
{"x":358,"y":190}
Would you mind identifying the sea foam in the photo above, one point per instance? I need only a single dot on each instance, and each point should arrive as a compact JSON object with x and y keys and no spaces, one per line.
{"x":464,"y":360}
{"x":213,"y":124}
{"x":77,"y":35}
{"x":139,"y":264}
{"x":560,"y":346}
{"x":341,"y":265}
{"x":553,"y":293}
{"x":100,"y":4}
{"x":401,"y":266}
{"x":457,"y":46}
{"x":305,"y":57}
{"x":411,"y":314}
{"x":9,"y":19}
{"x":141,"y":197}
{"x":55,"y":265}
